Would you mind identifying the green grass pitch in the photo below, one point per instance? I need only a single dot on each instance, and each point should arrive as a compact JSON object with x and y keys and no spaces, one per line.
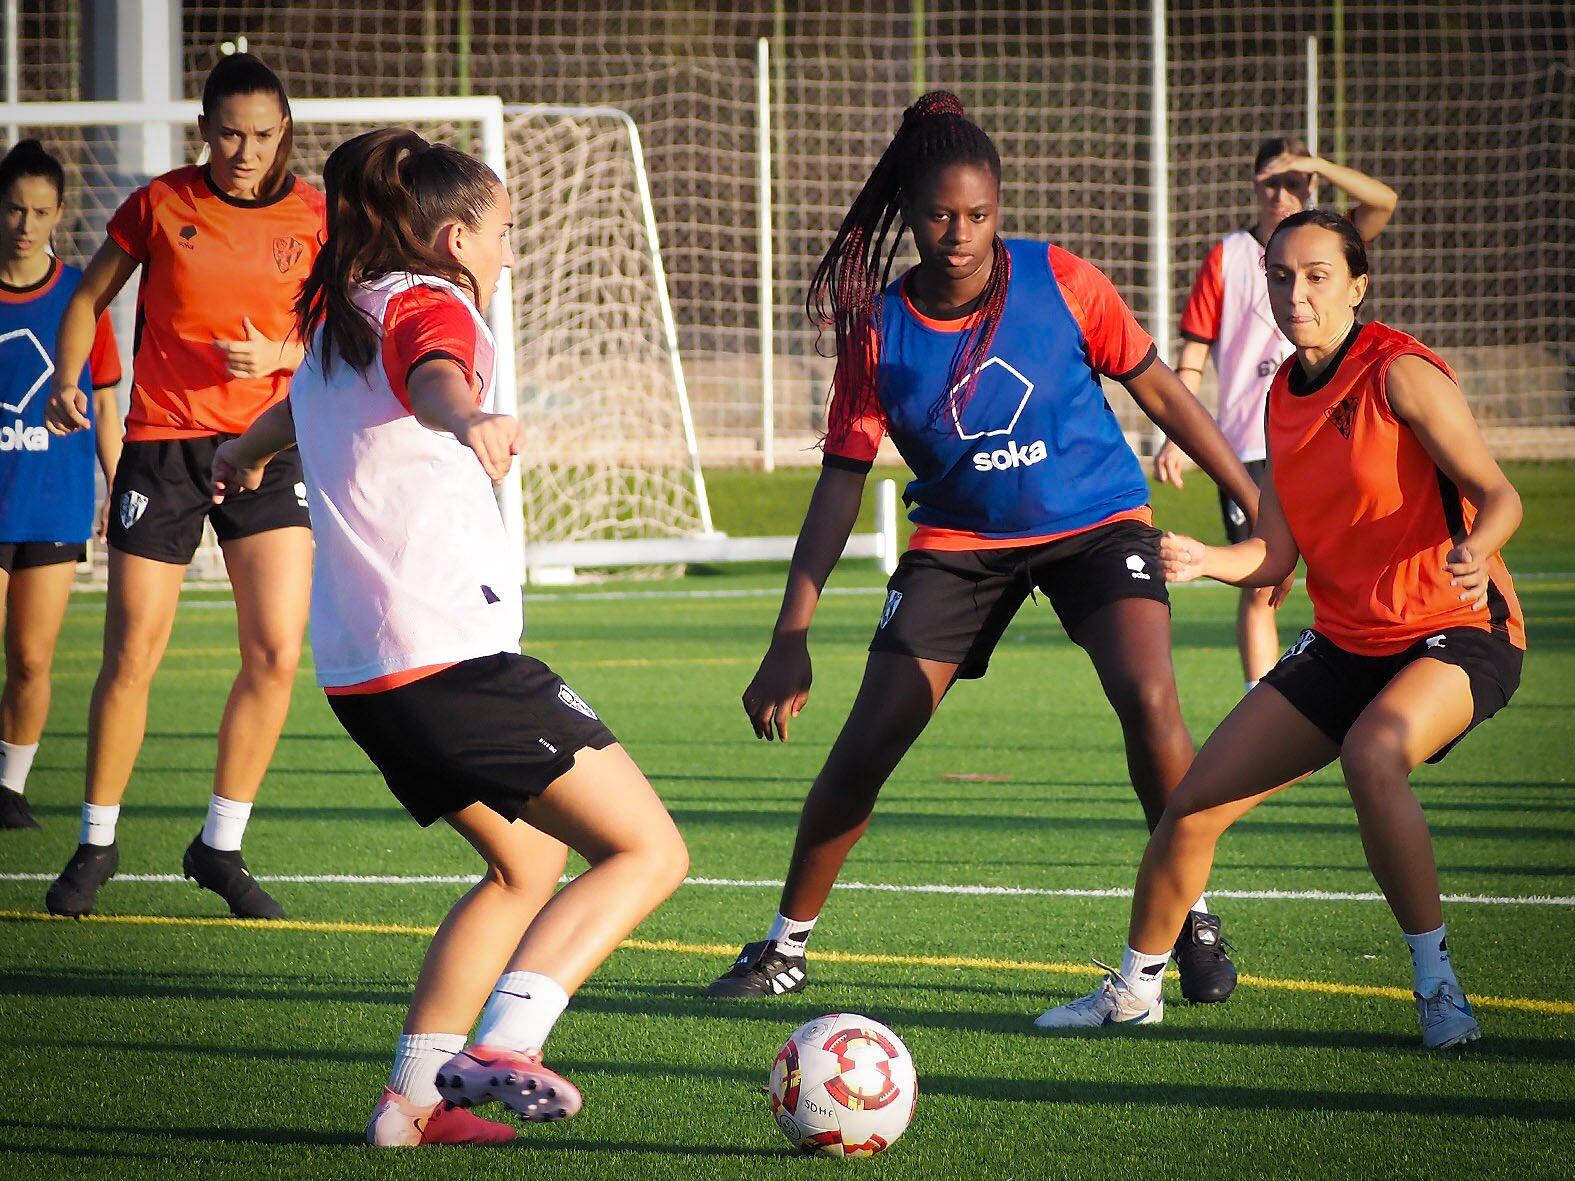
{"x":189,"y":1049}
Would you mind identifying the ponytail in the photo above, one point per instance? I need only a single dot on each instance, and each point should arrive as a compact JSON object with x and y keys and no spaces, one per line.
{"x":28,"y":158}
{"x":847,"y":290}
{"x":389,"y":193}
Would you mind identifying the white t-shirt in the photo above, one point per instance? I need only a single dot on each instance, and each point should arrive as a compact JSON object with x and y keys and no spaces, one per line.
{"x":413,"y":567}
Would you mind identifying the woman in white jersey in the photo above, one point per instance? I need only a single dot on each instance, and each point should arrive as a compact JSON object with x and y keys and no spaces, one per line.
{"x":1228,"y":315}
{"x":415,"y":628}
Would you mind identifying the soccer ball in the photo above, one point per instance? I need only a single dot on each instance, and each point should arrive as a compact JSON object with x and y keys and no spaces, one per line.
{"x":842,"y":1085}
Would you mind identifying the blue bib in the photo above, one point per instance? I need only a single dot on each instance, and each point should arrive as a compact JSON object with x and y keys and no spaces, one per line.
{"x":1037,"y":449}
{"x":46,"y":482}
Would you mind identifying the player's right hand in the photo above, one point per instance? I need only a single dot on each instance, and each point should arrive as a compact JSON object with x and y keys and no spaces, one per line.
{"x":495,"y":440}
{"x":780,"y":688}
{"x":1181,"y":557}
{"x":66,"y":411}
{"x":230,"y":472}
{"x":1168,"y":464}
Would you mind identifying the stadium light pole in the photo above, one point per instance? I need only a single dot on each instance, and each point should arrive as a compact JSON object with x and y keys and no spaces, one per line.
{"x":1159,"y":184}
{"x":768,"y":409}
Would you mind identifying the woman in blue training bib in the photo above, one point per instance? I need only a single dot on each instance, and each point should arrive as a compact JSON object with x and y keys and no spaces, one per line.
{"x":46,"y":483}
{"x":983,"y":363}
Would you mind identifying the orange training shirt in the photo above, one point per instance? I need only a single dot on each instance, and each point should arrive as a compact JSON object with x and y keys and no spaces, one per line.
{"x":1373,"y":515}
{"x":209,"y":261}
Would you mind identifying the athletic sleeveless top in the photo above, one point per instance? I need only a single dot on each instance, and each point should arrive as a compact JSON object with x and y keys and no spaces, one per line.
{"x":1371,"y":512}
{"x":1036,"y":452}
{"x":413,"y":569}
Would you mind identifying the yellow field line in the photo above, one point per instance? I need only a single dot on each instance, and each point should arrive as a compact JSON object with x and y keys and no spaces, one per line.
{"x":671,"y":946}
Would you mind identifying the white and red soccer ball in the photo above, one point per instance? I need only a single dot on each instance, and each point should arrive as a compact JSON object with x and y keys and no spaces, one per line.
{"x":842,"y":1085}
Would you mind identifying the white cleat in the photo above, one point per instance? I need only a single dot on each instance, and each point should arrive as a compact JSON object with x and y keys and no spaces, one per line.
{"x":1114,"y":1002}
{"x":1446,"y":1017}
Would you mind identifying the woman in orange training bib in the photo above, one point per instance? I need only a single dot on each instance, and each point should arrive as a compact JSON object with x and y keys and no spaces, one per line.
{"x":1380,"y":479}
{"x":223,"y":249}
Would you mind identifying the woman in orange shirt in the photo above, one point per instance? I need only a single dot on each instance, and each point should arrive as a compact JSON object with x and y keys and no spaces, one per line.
{"x":224,"y":248}
{"x":1380,"y":479}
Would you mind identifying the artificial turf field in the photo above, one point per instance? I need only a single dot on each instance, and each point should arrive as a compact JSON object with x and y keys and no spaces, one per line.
{"x":159,"y":1039}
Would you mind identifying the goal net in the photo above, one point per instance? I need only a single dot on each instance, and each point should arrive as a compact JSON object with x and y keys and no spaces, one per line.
{"x":587,"y":352}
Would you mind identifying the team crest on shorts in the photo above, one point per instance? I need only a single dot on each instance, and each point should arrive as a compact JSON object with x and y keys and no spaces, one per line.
{"x":286,"y":253}
{"x":893,"y":601}
{"x":132,"y":506}
{"x":575,"y":702}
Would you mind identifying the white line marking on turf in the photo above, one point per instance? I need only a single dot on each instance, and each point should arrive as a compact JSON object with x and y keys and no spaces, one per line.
{"x":343,"y":879}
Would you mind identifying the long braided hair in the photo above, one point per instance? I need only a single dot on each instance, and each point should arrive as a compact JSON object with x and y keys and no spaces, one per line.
{"x":846,"y":292}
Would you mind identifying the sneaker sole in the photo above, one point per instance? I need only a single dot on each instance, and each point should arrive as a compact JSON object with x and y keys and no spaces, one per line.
{"x":539,"y":1096}
{"x":1469,"y":1036}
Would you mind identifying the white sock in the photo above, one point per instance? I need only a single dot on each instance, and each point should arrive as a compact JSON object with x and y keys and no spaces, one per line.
{"x":16,"y":761}
{"x":226,"y":823}
{"x":790,"y":935}
{"x":1251,"y":685}
{"x":417,"y":1060}
{"x":98,"y":824}
{"x":1430,"y":960}
{"x":521,"y":1011}
{"x":1144,"y":974}
{"x":1202,"y":904}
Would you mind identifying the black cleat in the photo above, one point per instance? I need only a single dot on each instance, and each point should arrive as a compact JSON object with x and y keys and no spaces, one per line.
{"x":75,"y":889}
{"x":225,"y":873}
{"x":760,"y":970}
{"x":14,"y":812}
{"x":1207,"y":974}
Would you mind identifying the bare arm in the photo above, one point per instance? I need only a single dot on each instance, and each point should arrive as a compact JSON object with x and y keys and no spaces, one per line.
{"x":1375,"y":201}
{"x":781,"y":685}
{"x":105,"y":275}
{"x":239,"y":462}
{"x":1436,"y":411}
{"x":1162,"y":396}
{"x":107,"y":442}
{"x":1169,"y":462}
{"x":443,"y":399}
{"x":1267,"y":558}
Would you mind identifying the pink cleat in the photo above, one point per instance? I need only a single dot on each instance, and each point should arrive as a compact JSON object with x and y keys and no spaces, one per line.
{"x":399,"y":1123}
{"x":515,"y":1078}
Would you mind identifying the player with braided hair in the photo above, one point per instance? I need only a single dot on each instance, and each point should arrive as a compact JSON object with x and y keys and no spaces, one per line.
{"x":983,"y":364}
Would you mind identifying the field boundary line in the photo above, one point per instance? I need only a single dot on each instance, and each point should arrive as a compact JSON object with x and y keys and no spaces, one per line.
{"x":674,"y":947}
{"x":341,"y":879}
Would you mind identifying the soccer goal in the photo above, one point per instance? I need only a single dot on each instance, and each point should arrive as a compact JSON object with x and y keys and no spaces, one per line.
{"x":588,"y":357}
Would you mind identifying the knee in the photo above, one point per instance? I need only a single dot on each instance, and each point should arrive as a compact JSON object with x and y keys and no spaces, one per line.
{"x":273,"y":664}
{"x":1184,"y":827}
{"x":29,"y":670}
{"x":129,"y":667}
{"x":668,"y":856}
{"x":1145,"y":703}
{"x":1373,"y":759}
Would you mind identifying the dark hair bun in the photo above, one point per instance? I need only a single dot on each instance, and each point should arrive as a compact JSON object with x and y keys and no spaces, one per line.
{"x":936,"y":102}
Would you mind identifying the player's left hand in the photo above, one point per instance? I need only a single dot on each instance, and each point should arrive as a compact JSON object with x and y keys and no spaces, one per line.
{"x":1468,"y":574}
{"x":256,"y":356}
{"x":1181,"y":557}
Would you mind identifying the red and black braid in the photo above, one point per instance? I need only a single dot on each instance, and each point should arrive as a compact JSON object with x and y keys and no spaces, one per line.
{"x":851,"y":279}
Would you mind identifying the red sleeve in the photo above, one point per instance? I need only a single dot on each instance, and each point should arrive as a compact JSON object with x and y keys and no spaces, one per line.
{"x":104,"y":359}
{"x":1116,"y":343}
{"x":854,"y":444}
{"x":132,"y":225}
{"x":1200,"y":319}
{"x":427,"y":324}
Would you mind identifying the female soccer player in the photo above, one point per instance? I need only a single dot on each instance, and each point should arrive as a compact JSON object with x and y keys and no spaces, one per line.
{"x":223,"y":249}
{"x":416,"y":625}
{"x":46,"y":484}
{"x":983,"y":362}
{"x":1228,"y":316}
{"x":1379,"y":478}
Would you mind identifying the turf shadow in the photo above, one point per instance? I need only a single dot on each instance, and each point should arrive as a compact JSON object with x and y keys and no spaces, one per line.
{"x":189,"y":986}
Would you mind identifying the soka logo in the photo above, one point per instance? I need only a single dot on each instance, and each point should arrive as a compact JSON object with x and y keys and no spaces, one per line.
{"x":1011,"y":390}
{"x":18,"y":436}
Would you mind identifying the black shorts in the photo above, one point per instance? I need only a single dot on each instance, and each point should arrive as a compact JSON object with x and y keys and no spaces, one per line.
{"x":496,"y":730}
{"x":163,"y":492}
{"x":27,"y":555}
{"x":1234,"y":516}
{"x":1331,"y":687}
{"x":955,"y":605}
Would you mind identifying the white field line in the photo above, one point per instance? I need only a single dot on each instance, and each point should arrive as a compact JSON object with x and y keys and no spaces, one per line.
{"x":720,"y":593}
{"x":340,"y":879}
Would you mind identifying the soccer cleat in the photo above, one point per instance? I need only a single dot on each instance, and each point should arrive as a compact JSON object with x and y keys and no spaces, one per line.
{"x":399,"y":1123}
{"x":1114,"y":1002}
{"x":77,"y":887}
{"x":1207,"y":974}
{"x":14,"y":812}
{"x":760,"y":970}
{"x":515,"y":1078}
{"x":1446,"y":1017}
{"x":225,"y":873}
